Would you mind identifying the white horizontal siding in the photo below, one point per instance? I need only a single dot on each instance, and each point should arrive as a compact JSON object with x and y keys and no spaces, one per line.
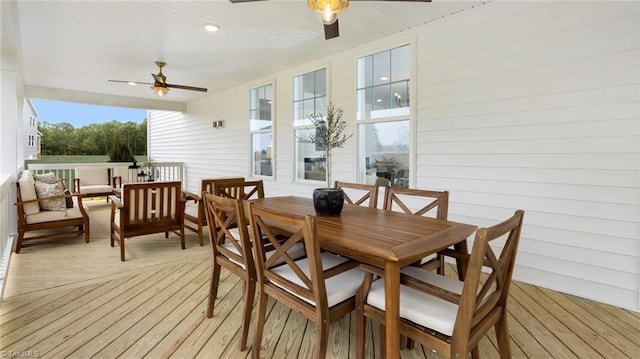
{"x":530,"y":105}
{"x":543,"y":118}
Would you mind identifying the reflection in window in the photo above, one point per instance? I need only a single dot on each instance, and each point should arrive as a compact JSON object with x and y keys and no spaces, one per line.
{"x":309,"y":97}
{"x":383,"y":84}
{"x":383,"y":115}
{"x":261,"y":127}
{"x":385,"y":147}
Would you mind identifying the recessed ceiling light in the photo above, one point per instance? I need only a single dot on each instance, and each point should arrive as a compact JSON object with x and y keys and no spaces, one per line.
{"x":379,"y":100}
{"x":211,"y":27}
{"x":384,"y":78}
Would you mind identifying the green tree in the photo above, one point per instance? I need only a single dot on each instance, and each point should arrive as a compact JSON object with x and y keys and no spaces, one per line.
{"x":94,"y":139}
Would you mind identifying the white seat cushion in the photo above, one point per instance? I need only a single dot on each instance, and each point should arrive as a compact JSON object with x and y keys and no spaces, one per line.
{"x":339,"y":287}
{"x":52,"y":216}
{"x":122,"y":171}
{"x":92,"y":175}
{"x":28,"y":192}
{"x":98,"y":188}
{"x":419,"y":307}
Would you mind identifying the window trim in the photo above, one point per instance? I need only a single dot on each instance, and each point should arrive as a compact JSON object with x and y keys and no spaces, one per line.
{"x":273,"y":132}
{"x":294,"y":128}
{"x":411,"y":117}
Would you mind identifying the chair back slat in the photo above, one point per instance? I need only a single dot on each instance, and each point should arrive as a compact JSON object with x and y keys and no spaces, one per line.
{"x":226,"y":213}
{"x":484,"y":297}
{"x":404,"y":198}
{"x":282,"y":232}
{"x":151,"y":202}
{"x":146,"y":208}
{"x":237,"y":188}
{"x":359,"y":194}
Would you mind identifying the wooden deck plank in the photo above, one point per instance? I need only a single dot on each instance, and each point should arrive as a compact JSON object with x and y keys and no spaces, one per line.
{"x":191,"y":326}
{"x":620,"y":321}
{"x":233,"y":348}
{"x":291,"y":338}
{"x":176,"y":316}
{"x":596,"y":342}
{"x":117,"y":306}
{"x":597,"y":327}
{"x":153,"y":310}
{"x":227,"y":329}
{"x":275,"y":323}
{"x":74,"y":324}
{"x":22,"y":338}
{"x":229,"y":300}
{"x":558,"y":339}
{"x":89,"y":304}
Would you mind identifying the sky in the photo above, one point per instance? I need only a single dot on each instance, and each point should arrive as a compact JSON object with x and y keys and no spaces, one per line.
{"x":80,"y":115}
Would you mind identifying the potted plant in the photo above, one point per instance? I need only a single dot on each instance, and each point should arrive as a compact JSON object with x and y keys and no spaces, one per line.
{"x":327,"y":134}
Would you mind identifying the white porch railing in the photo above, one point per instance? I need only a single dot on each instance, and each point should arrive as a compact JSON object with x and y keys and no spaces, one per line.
{"x":7,"y":199}
{"x":146,"y":171}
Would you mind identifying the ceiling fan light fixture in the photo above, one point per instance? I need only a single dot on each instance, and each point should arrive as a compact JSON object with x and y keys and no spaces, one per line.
{"x":329,"y":9}
{"x":160,"y":90}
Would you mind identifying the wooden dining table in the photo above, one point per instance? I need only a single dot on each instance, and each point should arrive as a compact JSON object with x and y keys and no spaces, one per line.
{"x":385,"y":239}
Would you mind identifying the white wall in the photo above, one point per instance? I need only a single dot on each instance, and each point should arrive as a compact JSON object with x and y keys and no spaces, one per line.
{"x":530,"y":105}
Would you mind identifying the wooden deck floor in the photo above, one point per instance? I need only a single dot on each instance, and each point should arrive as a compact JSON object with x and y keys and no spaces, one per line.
{"x":65,"y":298}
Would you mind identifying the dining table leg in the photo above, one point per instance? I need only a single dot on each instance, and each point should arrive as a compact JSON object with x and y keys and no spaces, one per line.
{"x":392,"y":309}
{"x":462,"y":248}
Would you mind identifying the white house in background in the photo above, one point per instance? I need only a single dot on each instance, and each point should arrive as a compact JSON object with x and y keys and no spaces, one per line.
{"x":31,"y":139}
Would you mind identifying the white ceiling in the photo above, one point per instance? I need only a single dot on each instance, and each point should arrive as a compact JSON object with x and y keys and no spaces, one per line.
{"x":79,"y":45}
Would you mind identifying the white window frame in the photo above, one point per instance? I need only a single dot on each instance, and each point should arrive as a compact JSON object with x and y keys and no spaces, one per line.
{"x":361,"y":171}
{"x":306,"y":126}
{"x":252,"y":167}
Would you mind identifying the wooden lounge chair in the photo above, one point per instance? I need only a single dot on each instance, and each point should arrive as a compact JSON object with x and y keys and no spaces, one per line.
{"x":93,"y":182}
{"x":32,"y":218}
{"x":146,"y":208}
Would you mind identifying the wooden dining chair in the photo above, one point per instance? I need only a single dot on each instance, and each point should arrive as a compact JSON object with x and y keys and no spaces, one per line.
{"x":321,"y":286}
{"x":232,"y":250}
{"x":443,"y":313}
{"x":362,"y":194}
{"x":194,"y":212}
{"x":238,"y":188}
{"x":412,"y":201}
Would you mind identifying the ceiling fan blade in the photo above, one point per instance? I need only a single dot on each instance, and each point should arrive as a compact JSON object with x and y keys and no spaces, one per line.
{"x":132,"y":82}
{"x":331,"y":31}
{"x":190,"y":88}
{"x":241,"y":1}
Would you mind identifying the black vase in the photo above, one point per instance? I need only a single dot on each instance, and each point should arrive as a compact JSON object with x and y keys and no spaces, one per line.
{"x":328,"y":201}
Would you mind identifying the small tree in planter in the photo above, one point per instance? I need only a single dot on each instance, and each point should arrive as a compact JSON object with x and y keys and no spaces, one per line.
{"x":120,"y":152}
{"x":327,"y":134}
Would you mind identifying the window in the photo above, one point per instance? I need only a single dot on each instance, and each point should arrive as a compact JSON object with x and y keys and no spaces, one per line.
{"x":309,"y":97}
{"x":32,"y":141}
{"x":261,"y":127}
{"x":383,"y":117}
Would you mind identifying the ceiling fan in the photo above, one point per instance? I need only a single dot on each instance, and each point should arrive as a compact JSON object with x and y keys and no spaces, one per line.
{"x":160,"y":85}
{"x":329,"y":10}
